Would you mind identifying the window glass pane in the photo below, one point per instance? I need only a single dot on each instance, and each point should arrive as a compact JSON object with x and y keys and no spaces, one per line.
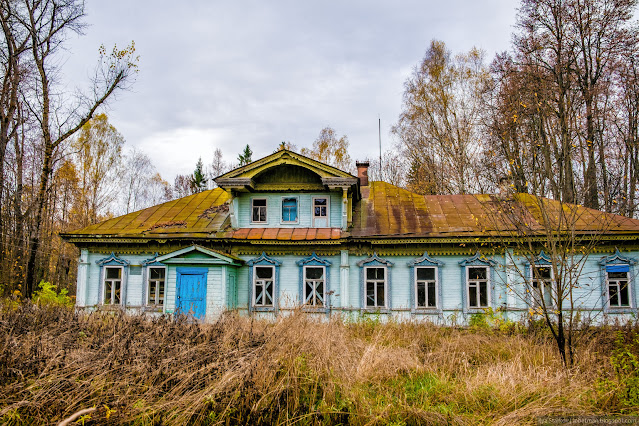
{"x":483,"y":294}
{"x":421,"y":295}
{"x":426,"y":273}
{"x":113,"y":273}
{"x":320,"y":201}
{"x":472,"y":295}
{"x":375,"y":273}
{"x":259,"y":202}
{"x":370,"y":294}
{"x":264,"y":272}
{"x":107,"y":292}
{"x":152,"y":287}
{"x":259,"y":294}
{"x":116,"y":292}
{"x":614,"y":297}
{"x":477,"y":273}
{"x":157,"y":273}
{"x":380,"y":294}
{"x":370,"y":273}
{"x":268,"y":293}
{"x":618,"y":275}
{"x":314,"y":273}
{"x":431,"y":295}
{"x":161,"y":294}
{"x":542,"y":273}
{"x":624,"y":300}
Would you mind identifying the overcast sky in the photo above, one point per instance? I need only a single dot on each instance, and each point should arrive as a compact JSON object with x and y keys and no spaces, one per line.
{"x":225,"y":74}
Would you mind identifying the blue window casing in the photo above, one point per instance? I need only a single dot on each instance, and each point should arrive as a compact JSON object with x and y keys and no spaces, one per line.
{"x":425,"y":261}
{"x":314,"y":260}
{"x":290,"y":208}
{"x":264,"y":260}
{"x":542,"y":260}
{"x":153,"y":263}
{"x":375,"y":261}
{"x":478,"y":260}
{"x":114,"y":261}
{"x":617,"y":263}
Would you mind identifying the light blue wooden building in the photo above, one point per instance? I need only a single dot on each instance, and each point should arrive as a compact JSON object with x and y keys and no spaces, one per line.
{"x":290,"y":233}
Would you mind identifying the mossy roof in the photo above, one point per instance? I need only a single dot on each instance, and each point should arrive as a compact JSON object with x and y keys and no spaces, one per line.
{"x":385,"y":211}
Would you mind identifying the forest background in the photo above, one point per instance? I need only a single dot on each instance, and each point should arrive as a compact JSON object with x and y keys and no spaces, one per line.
{"x":556,"y":115}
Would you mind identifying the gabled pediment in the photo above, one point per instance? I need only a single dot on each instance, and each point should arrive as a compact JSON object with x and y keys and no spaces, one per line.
{"x":285,"y":171}
{"x":199,"y":255}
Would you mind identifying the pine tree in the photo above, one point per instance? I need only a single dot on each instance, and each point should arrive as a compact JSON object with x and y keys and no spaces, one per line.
{"x":198,"y":181}
{"x":245,"y":157}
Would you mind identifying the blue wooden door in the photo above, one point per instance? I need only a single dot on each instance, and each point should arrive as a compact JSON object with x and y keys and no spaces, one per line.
{"x":191,"y":292}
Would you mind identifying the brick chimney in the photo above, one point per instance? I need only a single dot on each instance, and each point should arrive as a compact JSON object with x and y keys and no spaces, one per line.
{"x":362,"y":172}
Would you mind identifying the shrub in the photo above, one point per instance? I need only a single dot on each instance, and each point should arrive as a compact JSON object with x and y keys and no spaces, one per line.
{"x":48,"y":295}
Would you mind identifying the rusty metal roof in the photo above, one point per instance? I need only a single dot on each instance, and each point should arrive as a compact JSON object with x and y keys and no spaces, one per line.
{"x":196,"y":215}
{"x":389,"y":211}
{"x":285,"y":234}
{"x":385,"y":211}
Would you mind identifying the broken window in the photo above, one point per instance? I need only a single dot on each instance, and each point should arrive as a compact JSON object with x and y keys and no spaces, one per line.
{"x":320,"y":207}
{"x":477,"y":281}
{"x":314,"y":286}
{"x":258,"y":207}
{"x":156,"y":285}
{"x":375,"y":287}
{"x":542,"y":279}
{"x":263,"y":283}
{"x":112,"y":285}
{"x":426,"y":287}
{"x":618,"y":287}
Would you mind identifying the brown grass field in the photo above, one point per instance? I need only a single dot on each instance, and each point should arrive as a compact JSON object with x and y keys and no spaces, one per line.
{"x":135,"y":370}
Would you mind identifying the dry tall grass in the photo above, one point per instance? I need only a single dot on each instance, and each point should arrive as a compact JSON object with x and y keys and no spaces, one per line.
{"x":55,"y":362}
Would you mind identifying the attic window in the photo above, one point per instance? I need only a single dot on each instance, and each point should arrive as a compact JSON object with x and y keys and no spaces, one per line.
{"x":289,"y":209}
{"x":258,"y":208}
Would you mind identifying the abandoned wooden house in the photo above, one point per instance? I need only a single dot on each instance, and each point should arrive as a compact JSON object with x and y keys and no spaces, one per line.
{"x":287,"y":232}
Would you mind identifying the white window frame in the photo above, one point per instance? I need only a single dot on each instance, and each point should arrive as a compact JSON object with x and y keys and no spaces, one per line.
{"x":297,"y":203}
{"x":328,"y":210}
{"x":104,"y":285}
{"x":617,"y":280}
{"x":416,"y":281}
{"x":148,"y":285}
{"x":533,"y":303}
{"x":323,"y":295}
{"x":254,"y":284}
{"x":366,"y":280}
{"x":487,"y":268}
{"x":265,"y":210}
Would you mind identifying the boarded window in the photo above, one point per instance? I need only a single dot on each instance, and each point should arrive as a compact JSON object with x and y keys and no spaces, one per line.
{"x":263,"y":283}
{"x":314,"y":286}
{"x":289,"y":210}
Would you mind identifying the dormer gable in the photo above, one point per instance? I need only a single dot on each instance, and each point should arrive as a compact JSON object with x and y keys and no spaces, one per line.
{"x":287,"y":171}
